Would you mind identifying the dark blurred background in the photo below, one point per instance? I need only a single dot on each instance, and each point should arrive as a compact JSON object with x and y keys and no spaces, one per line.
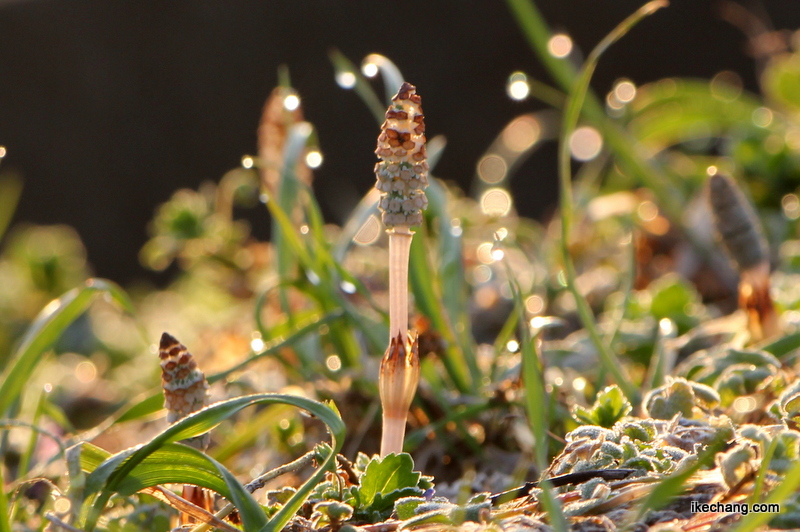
{"x":106,"y":108}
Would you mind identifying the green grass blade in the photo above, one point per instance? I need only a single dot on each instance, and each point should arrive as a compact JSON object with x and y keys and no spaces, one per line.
{"x":533,"y":378}
{"x":109,"y":476}
{"x":343,"y":66}
{"x":429,"y":301}
{"x":145,"y":407}
{"x":392,"y":77}
{"x":631,"y":157}
{"x":574,"y":105}
{"x":10,"y":191}
{"x":5,"y":526}
{"x":47,"y":328}
{"x":450,"y":273}
{"x":536,"y":402}
{"x":538,"y":34}
{"x":171,"y":464}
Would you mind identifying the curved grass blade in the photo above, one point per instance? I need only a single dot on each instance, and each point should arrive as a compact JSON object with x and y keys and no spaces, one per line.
{"x":173,"y":463}
{"x":392,"y":77}
{"x":575,"y":103}
{"x":109,"y":476}
{"x":631,"y":157}
{"x":518,"y":140}
{"x":15,"y":423}
{"x":47,"y":328}
{"x":344,"y":67}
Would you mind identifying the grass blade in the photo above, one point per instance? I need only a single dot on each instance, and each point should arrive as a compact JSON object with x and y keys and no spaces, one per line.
{"x":47,"y":328}
{"x":344,"y":67}
{"x":575,"y":103}
{"x":109,"y":476}
{"x":536,"y":401}
{"x":392,"y":77}
{"x":10,"y":191}
{"x":171,"y":464}
{"x":5,"y":526}
{"x":429,"y":302}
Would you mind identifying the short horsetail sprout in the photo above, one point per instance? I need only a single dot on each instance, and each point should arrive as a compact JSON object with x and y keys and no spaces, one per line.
{"x":398,"y":382}
{"x":185,"y":391}
{"x":741,"y":234}
{"x":402,"y":175}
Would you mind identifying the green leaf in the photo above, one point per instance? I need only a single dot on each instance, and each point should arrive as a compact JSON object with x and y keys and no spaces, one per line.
{"x":609,"y":407}
{"x":405,"y":508}
{"x":385,"y":481}
{"x":47,"y":328}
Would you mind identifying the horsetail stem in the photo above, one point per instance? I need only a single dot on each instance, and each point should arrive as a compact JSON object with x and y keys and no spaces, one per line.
{"x":402,"y":175}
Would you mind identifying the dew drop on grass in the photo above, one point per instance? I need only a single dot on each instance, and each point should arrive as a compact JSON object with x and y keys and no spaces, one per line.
{"x":334,"y":363}
{"x":585,"y":143}
{"x":534,"y":304}
{"x":496,"y":202}
{"x":291,"y":102}
{"x":62,"y":505}
{"x":791,"y":206}
{"x":314,"y":159}
{"x":517,"y":86}
{"x":369,"y":232}
{"x":492,"y":168}
{"x":369,"y":69}
{"x":522,"y":133}
{"x":559,"y":45}
{"x":455,"y":227}
{"x":257,"y":344}
{"x":346,"y":79}
{"x":762,"y":117}
{"x":625,"y":91}
{"x":348,"y":287}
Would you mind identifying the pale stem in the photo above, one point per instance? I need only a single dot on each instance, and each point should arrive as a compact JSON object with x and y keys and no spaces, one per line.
{"x":399,"y":248}
{"x":394,"y":430}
